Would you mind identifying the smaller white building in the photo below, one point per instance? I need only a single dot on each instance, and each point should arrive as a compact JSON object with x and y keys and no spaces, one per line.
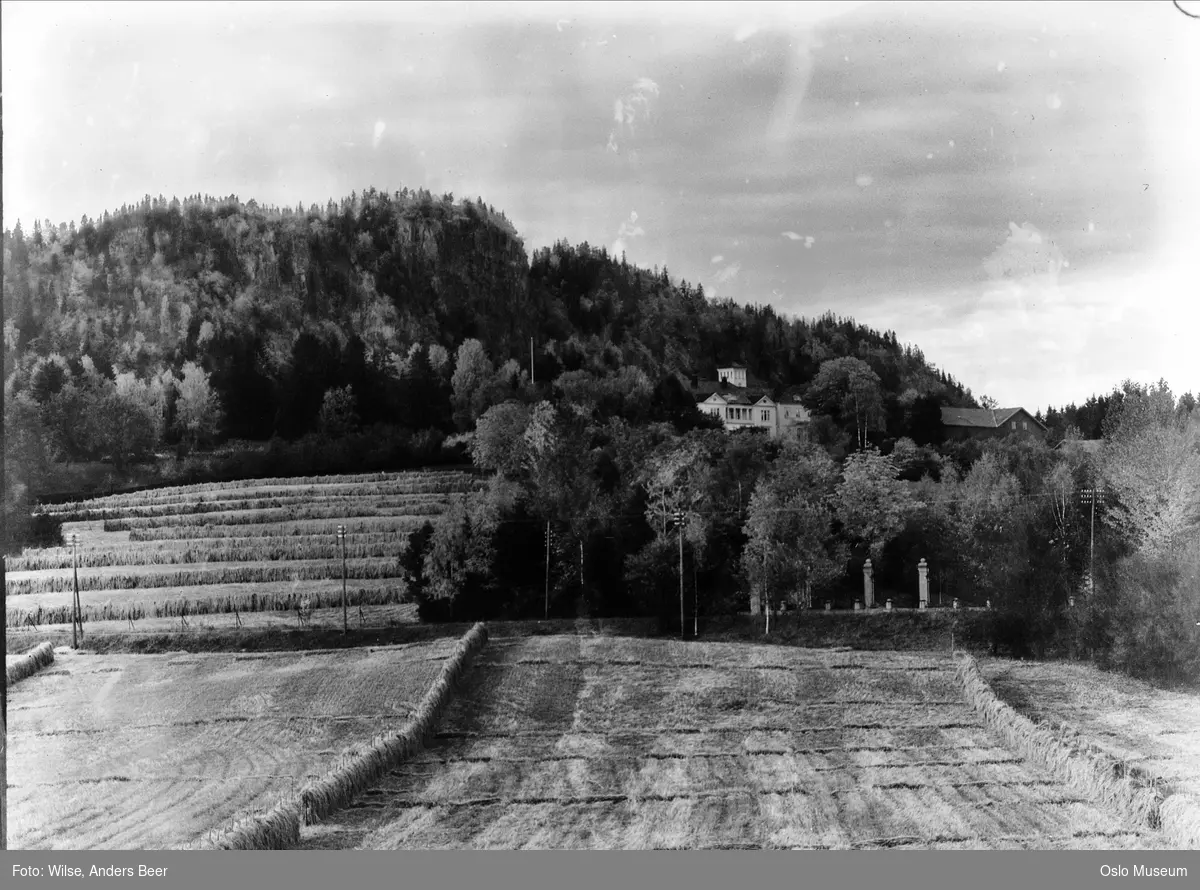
{"x":734,"y":375}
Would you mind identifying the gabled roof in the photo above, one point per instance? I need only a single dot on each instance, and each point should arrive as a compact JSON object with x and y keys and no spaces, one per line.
{"x":983,"y":418}
{"x":704,"y":388}
{"x":737,"y":397}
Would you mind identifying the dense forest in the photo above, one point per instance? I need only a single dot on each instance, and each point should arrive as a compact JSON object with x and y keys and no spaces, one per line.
{"x":163,"y":340}
{"x":180,"y":324}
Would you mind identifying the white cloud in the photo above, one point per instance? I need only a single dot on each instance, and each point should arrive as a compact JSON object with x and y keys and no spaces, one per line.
{"x":630,"y":110}
{"x":1069,"y":339}
{"x":717,"y":259}
{"x":745,"y":32}
{"x":626,"y":232}
{"x":377,"y":135}
{"x":808,"y":240}
{"x":1054,"y":101}
{"x":726,"y":275}
{"x":1025,"y":256}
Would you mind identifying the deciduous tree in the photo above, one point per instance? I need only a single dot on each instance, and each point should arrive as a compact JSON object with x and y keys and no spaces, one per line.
{"x":789,"y":527}
{"x":198,"y":409}
{"x":873,"y":505}
{"x":847,"y":388}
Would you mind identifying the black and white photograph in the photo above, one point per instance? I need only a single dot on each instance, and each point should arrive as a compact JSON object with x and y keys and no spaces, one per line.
{"x":601,"y":426}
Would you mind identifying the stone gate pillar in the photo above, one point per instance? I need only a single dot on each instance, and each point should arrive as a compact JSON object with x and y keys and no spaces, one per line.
{"x":923,"y":583}
{"x":868,"y":585}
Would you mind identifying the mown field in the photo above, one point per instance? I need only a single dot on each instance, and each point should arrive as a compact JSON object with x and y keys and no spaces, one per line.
{"x":1155,"y":729}
{"x":153,"y":751}
{"x":257,"y":545}
{"x":594,"y":742}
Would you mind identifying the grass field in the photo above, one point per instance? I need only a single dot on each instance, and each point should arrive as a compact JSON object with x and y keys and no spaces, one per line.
{"x":600,"y":742}
{"x":1155,"y":729}
{"x":153,"y":751}
{"x":557,"y":740}
{"x":246,"y":546}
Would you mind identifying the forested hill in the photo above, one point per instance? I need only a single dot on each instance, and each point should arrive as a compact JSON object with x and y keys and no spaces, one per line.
{"x":275,"y":307}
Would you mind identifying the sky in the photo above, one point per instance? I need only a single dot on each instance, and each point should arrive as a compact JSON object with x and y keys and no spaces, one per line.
{"x":1014,"y":188}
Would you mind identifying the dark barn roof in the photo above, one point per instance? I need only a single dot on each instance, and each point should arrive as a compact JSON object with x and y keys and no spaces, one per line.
{"x":983,"y":418}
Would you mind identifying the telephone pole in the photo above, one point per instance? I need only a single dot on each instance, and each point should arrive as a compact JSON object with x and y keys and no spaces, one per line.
{"x":677,"y":516}
{"x":1090,"y":496}
{"x":76,"y":618}
{"x":341,"y":533}
{"x":695,"y":602}
{"x":548,"y":534}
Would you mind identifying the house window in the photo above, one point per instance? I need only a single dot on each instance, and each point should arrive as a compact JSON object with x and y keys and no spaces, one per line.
{"x":766,"y":416}
{"x":1014,"y":424}
{"x":1024,"y":425}
{"x":729,"y":414}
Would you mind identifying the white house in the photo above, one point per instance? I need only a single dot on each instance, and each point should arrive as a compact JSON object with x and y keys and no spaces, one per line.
{"x":746,"y":409}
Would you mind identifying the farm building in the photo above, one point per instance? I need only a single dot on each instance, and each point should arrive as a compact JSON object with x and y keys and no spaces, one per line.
{"x":990,"y":423}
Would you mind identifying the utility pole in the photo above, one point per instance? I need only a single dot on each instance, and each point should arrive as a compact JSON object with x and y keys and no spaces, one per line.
{"x":766,"y":600}
{"x":1090,"y":496}
{"x":531,"y":380}
{"x":696,"y":601}
{"x":341,"y":533}
{"x":677,"y":516}
{"x":76,"y":619}
{"x":548,"y":570}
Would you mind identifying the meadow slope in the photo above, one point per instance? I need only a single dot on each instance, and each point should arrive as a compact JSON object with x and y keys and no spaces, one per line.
{"x":249,"y":546}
